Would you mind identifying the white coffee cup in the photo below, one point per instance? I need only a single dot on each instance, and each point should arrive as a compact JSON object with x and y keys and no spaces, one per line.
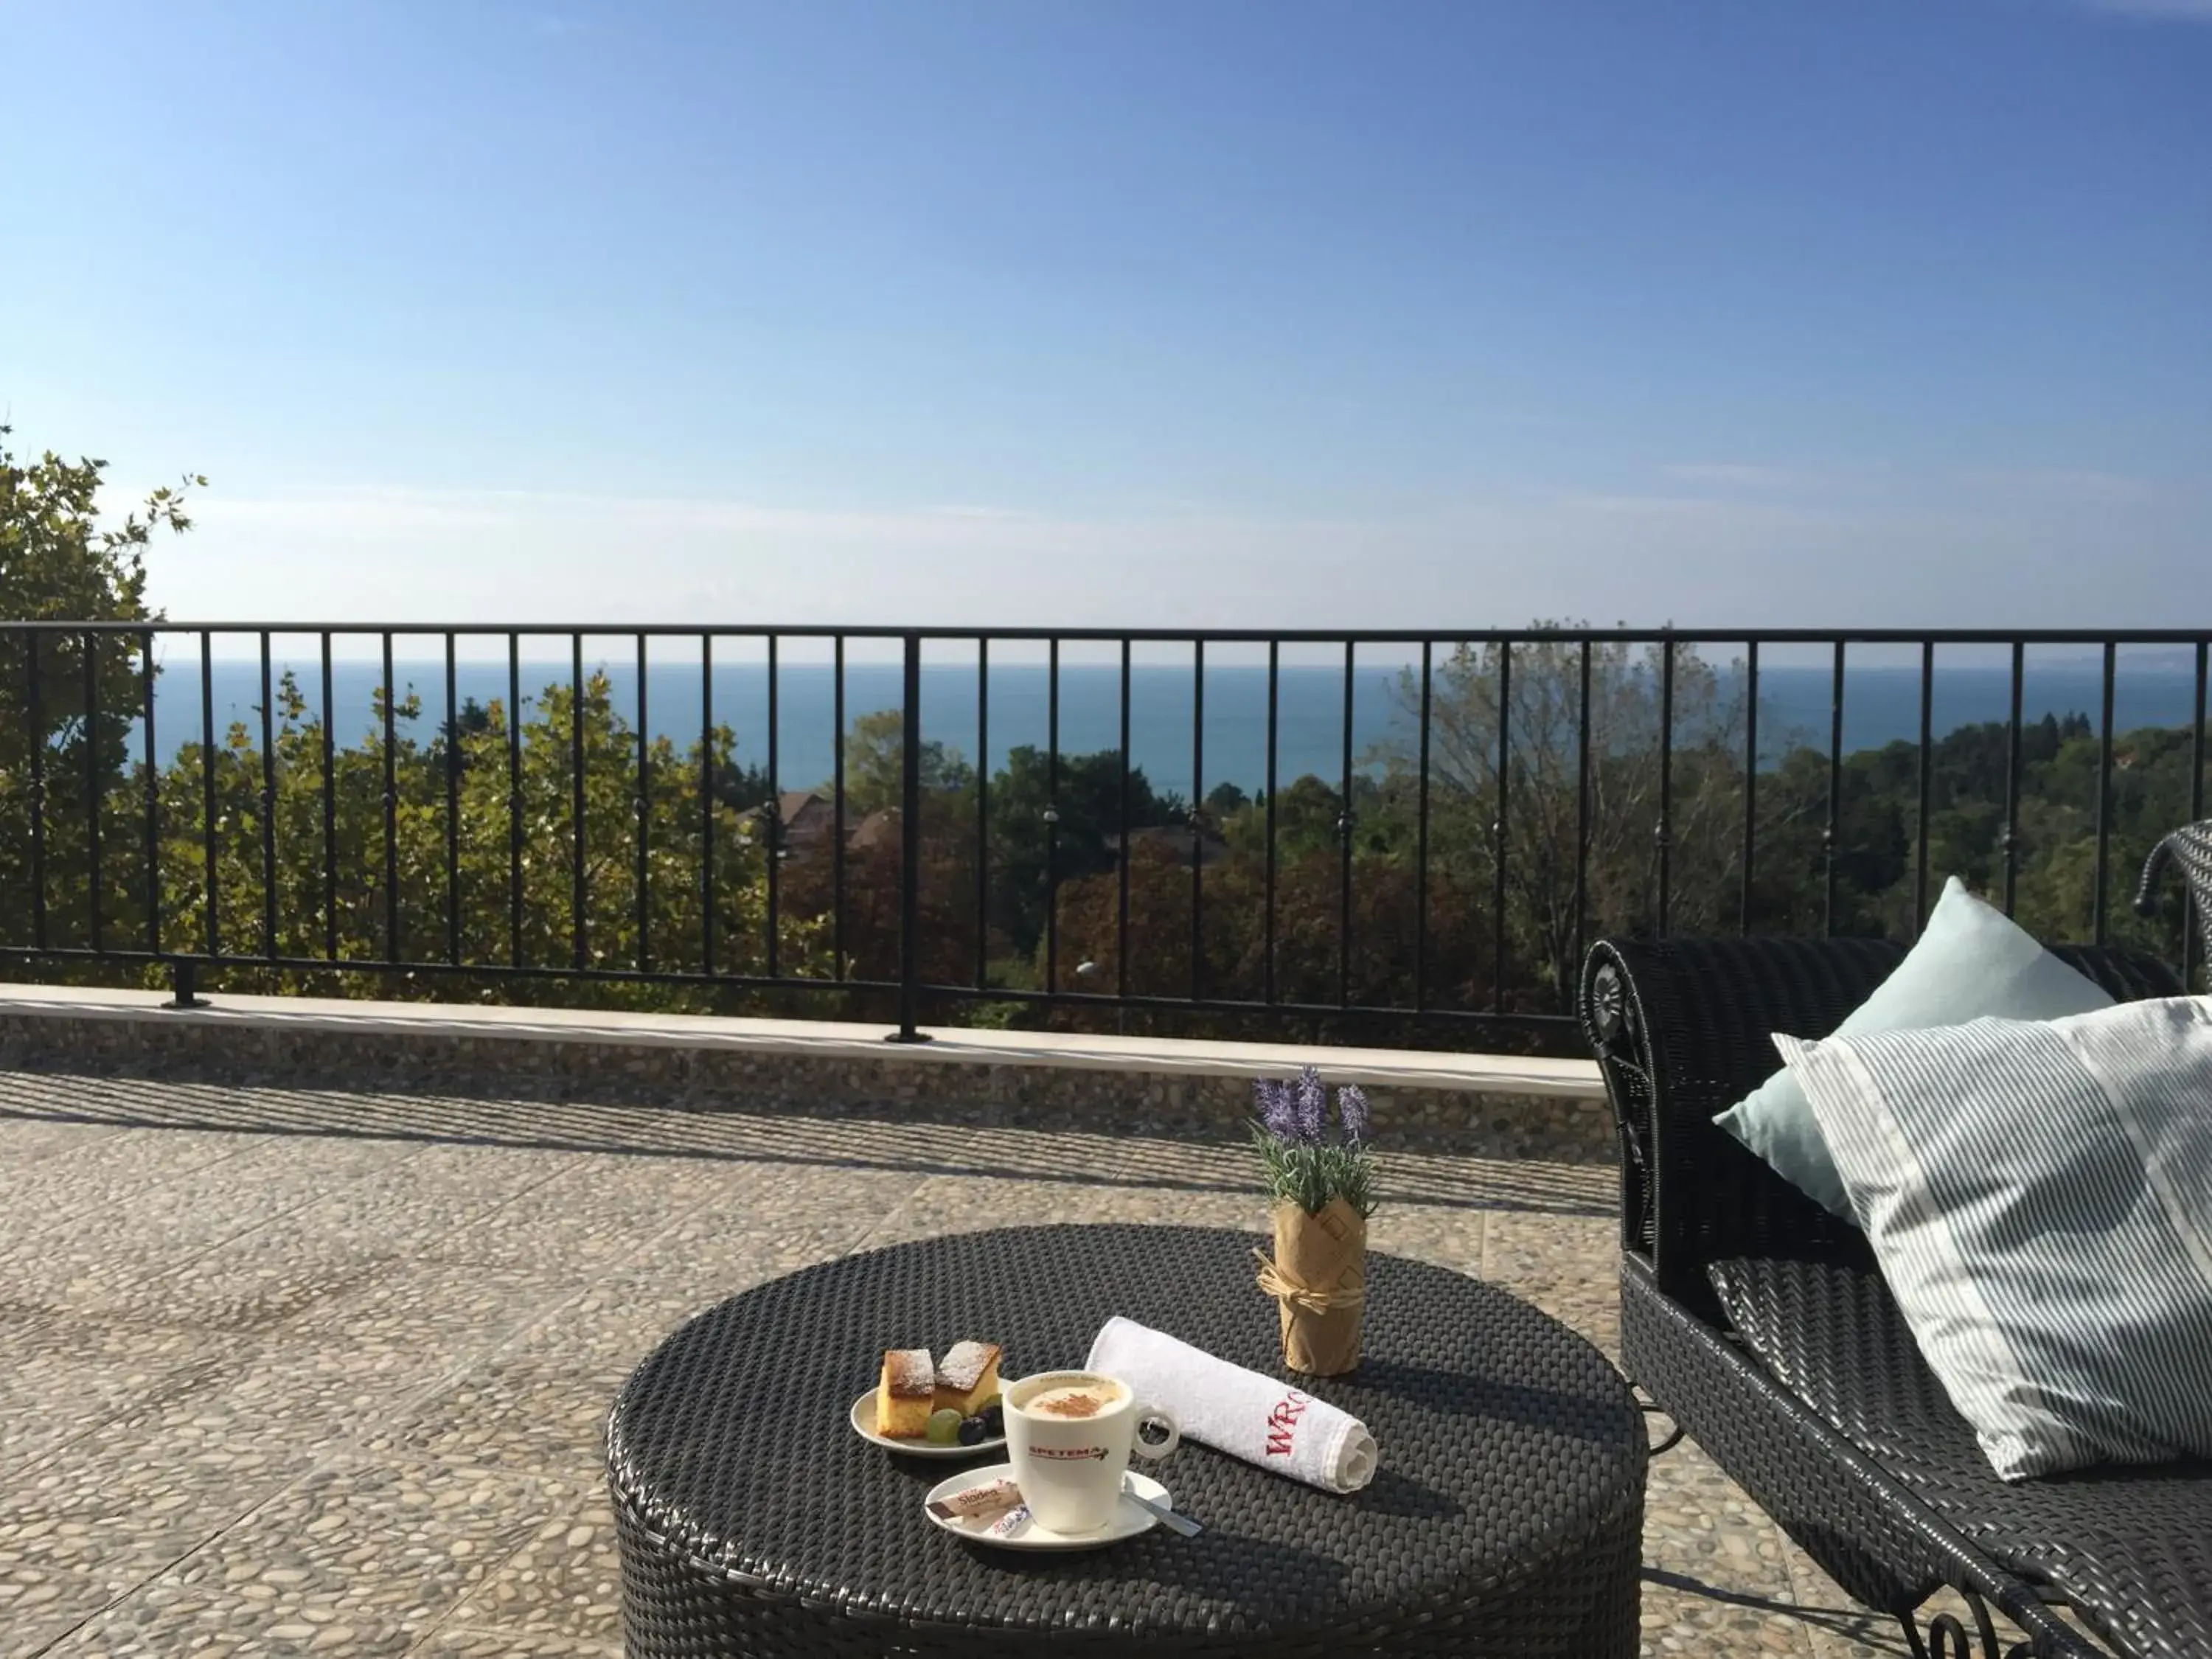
{"x":1069,"y":1435}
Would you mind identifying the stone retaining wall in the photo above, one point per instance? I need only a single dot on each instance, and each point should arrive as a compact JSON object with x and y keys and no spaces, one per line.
{"x":839,"y":1082}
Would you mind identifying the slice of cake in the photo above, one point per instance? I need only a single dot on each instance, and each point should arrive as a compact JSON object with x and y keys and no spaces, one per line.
{"x":969,"y":1378}
{"x":906,"y":1395}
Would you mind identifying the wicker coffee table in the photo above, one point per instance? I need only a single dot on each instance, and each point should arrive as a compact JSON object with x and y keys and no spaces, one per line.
{"x":1507,"y":1517}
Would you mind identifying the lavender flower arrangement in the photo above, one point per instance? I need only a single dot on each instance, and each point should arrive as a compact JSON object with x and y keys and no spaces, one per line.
{"x":1306,"y":1166}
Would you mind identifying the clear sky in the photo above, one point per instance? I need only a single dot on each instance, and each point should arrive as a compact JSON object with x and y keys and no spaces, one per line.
{"x":1876,"y":312}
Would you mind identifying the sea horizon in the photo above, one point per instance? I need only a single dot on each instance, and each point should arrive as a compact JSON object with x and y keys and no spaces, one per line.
{"x":1881,"y":706}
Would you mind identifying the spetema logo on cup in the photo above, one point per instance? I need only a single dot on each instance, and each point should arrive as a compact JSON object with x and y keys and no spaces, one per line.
{"x":1064,"y":1453}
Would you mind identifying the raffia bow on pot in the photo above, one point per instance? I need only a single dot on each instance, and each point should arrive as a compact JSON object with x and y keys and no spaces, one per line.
{"x":1323,"y":1189}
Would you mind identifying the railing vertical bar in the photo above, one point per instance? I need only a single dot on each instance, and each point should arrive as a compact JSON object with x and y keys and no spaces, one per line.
{"x":1121,"y":823}
{"x":644,"y":813}
{"x":707,"y":804}
{"x":1750,"y":779}
{"x":1835,"y":793}
{"x":1197,"y":819}
{"x":1926,"y":761}
{"x":1666,"y":826}
{"x":2009,"y":842}
{"x":1052,"y":818}
{"x":330,"y":810}
{"x":982,"y":811}
{"x":268,"y":805}
{"x":153,"y":803}
{"x":1421,"y":836}
{"x":2101,"y":903}
{"x":93,"y":791}
{"x":837,"y":806}
{"x":772,"y":842}
{"x":453,"y":806}
{"x":580,"y":943}
{"x":36,"y":737}
{"x":1274,"y":708}
{"x":1498,"y":829}
{"x":211,"y":878}
{"x":1346,"y":829}
{"x":1581,"y":823}
{"x":909,"y":989}
{"x":391,"y":951}
{"x":514,"y":799}
{"x":2188,"y":916}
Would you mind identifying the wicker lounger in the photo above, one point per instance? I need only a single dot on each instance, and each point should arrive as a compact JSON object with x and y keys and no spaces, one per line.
{"x":1760,"y":1322}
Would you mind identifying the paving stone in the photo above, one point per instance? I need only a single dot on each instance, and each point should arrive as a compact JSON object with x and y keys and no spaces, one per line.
{"x":1699,"y":1526}
{"x":471,"y":1641}
{"x":945,"y":1204}
{"x":109,"y":1511}
{"x":1677,"y":1620}
{"x":565,"y":1581}
{"x":1527,"y":1245}
{"x":434,"y":1318}
{"x":101,"y":1261}
{"x":325,"y":1389}
{"x":538,"y":1404}
{"x":25,"y":1139}
{"x":96,"y":1177}
{"x":1448,"y":1235}
{"x":600,"y":1211}
{"x":358,"y":1557}
{"x":64,"y":1377}
{"x":417,"y":1201}
{"x":1501,"y":1184}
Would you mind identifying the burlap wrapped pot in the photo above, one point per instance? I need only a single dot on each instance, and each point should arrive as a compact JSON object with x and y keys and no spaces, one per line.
{"x":1319,"y":1281}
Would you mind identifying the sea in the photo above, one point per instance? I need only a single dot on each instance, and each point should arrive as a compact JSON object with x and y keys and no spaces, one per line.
{"x":1881,"y":704}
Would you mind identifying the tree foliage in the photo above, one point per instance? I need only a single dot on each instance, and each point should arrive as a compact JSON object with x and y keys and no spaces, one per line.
{"x":1617,"y":799}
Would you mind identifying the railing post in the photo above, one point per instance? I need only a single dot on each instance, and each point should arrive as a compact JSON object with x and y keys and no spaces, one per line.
{"x":183,"y":970}
{"x":910,"y":850}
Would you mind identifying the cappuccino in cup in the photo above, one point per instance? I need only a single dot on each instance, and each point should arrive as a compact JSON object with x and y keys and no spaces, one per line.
{"x":1083,"y":1396}
{"x":1069,"y":1435}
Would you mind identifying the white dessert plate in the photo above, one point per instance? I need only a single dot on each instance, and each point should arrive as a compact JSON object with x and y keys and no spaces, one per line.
{"x":864,"y":1425}
{"x":1128,"y":1519}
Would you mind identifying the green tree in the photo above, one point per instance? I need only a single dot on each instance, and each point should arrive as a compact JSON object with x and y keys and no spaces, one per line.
{"x":875,"y":764}
{"x":57,"y":562}
{"x":1578,"y":853}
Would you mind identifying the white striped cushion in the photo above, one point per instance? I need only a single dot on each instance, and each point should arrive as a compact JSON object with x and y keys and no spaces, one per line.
{"x":2039,"y":1196}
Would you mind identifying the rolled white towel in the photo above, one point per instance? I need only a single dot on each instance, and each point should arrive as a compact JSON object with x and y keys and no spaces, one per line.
{"x":1237,"y":1411}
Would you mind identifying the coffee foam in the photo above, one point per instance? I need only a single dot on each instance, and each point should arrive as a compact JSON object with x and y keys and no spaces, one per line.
{"x":1077,"y":1397}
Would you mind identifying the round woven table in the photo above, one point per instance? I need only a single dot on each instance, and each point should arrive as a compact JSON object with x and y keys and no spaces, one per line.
{"x":1507,"y":1516}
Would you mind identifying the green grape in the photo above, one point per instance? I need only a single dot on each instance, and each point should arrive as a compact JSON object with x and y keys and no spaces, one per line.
{"x":944,"y":1427}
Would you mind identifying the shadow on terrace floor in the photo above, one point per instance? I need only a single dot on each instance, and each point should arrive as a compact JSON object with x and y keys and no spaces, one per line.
{"x":1430,"y":1172}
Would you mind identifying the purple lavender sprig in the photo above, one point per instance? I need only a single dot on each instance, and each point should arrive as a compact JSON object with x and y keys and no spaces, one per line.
{"x":1279,"y":1108}
{"x":1312,"y":1096}
{"x":1305,"y":1165}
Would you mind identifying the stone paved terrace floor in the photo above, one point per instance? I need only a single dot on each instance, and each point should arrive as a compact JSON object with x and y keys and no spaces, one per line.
{"x":287,"y":1370}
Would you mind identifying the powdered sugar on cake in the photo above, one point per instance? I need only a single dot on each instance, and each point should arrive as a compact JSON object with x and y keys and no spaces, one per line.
{"x":909,"y":1371}
{"x":964,"y":1363}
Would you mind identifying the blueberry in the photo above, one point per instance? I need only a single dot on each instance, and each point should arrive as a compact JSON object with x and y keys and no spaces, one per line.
{"x":972,"y":1432}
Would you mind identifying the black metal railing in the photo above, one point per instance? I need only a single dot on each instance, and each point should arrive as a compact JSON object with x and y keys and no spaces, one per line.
{"x":1385,"y":835}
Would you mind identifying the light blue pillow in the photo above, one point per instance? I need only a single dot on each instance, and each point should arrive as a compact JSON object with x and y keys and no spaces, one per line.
{"x":1971,"y":960}
{"x":2039,"y":1196}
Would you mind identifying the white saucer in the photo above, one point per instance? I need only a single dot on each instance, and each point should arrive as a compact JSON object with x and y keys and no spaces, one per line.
{"x":1128,"y":1520}
{"x":864,"y":1425}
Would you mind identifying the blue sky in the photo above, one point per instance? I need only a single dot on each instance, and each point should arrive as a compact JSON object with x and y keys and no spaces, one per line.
{"x":1881,"y":312}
